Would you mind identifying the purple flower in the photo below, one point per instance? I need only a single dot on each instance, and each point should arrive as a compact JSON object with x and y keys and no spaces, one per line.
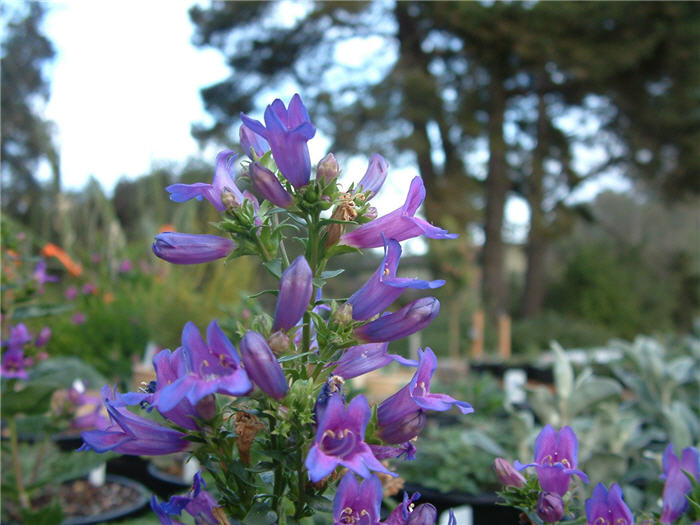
{"x":287,"y":131}
{"x":406,"y":514}
{"x":71,"y":293}
{"x":677,"y":485}
{"x":198,"y":503}
{"x":400,"y":224}
{"x":262,"y":366}
{"x":43,"y":337}
{"x":13,"y":363}
{"x":334,"y":386}
{"x":198,"y":370}
{"x":19,"y":336}
{"x":550,"y":507}
{"x":340,"y":441}
{"x":407,"y":449}
{"x":191,"y":248}
{"x":410,"y":319}
{"x":357,"y":502}
{"x":296,"y":288}
{"x":383,"y":288}
{"x":40,"y":275}
{"x":402,"y":415}
{"x":361,"y":359}
{"x":89,"y":289}
{"x":555,"y":459}
{"x":327,"y":169}
{"x":375,"y":175}
{"x":222,"y":182}
{"x":78,"y":318}
{"x":507,"y":474}
{"x":253,"y":144}
{"x":131,"y":434}
{"x":125,"y":266}
{"x":608,"y":507}
{"x":87,"y":409}
{"x":266,"y":184}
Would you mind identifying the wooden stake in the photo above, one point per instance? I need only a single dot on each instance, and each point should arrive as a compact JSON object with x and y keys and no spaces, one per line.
{"x":478,"y":334}
{"x":504,"y":337}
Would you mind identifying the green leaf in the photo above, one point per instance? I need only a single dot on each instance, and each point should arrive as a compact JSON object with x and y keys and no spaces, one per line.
{"x":591,"y":392}
{"x":274,"y":267}
{"x":49,"y":515}
{"x":563,"y":372}
{"x":340,"y":249}
{"x":291,"y":357}
{"x":60,"y":372}
{"x":321,"y":503}
{"x":40,"y":310}
{"x":329,"y":274}
{"x":273,"y":292}
{"x":34,"y":398}
{"x":260,"y":514}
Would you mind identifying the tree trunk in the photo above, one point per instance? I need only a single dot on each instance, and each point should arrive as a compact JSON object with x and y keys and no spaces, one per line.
{"x":497,"y":186}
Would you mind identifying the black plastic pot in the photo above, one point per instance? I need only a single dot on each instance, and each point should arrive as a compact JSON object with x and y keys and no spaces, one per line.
{"x":486,"y":510}
{"x":164,"y":484}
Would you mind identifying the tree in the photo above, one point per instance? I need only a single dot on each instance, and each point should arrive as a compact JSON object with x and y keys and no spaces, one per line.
{"x":26,"y":135}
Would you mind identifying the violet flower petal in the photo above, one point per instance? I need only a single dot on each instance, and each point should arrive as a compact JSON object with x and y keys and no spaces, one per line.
{"x":410,"y":319}
{"x":191,"y":248}
{"x":296,"y":288}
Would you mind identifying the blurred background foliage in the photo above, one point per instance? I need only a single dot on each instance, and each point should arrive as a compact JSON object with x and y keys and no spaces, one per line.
{"x":487,"y":101}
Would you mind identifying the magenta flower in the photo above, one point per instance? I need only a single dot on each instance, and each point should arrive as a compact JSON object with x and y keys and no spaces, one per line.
{"x":677,"y":485}
{"x":357,"y":502}
{"x":608,"y":507}
{"x":340,"y":440}
{"x":296,"y":288}
{"x":375,"y":175}
{"x":555,"y":459}
{"x":89,"y":289}
{"x":408,"y":320}
{"x":222,"y":182}
{"x":361,"y":359}
{"x":402,"y":416}
{"x":43,"y":338}
{"x":383,"y":288}
{"x":262,"y":366}
{"x":71,"y":293}
{"x":400,"y":224}
{"x":78,"y":318}
{"x":199,"y":370}
{"x":266,"y":184}
{"x":198,"y":503}
{"x":287,"y":130}
{"x":191,"y":248}
{"x":131,"y":434}
{"x":550,"y":507}
{"x":40,"y":275}
{"x":125,"y":266}
{"x":507,"y":474}
{"x":85,"y":419}
{"x":253,"y":144}
{"x":13,"y":363}
{"x":327,"y":169}
{"x":19,"y":336}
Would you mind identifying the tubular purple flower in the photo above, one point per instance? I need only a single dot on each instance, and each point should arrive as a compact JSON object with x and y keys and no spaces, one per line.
{"x":327,"y":169}
{"x":334,"y":386}
{"x":555,"y":459}
{"x":507,"y":474}
{"x":407,"y":449}
{"x":198,"y":503}
{"x":199,"y":370}
{"x":212,"y":192}
{"x":361,"y":359}
{"x":40,"y":275}
{"x":19,"y":336}
{"x":357,"y":502}
{"x":296,"y":288}
{"x":340,"y":441}
{"x":402,"y":416}
{"x":262,"y":366}
{"x":383,"y":288}
{"x":287,"y":130}
{"x":253,"y":144}
{"x":400,"y":224}
{"x":410,"y":319}
{"x":43,"y":338}
{"x":266,"y":184}
{"x":191,"y":248}
{"x":402,"y":512}
{"x":677,"y":485}
{"x":12,"y":366}
{"x":425,"y":514}
{"x":550,"y":507}
{"x":131,"y":434}
{"x":608,"y":507}
{"x":375,"y":175}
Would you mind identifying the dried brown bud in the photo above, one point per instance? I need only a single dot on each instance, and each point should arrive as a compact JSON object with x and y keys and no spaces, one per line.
{"x":247,"y":427}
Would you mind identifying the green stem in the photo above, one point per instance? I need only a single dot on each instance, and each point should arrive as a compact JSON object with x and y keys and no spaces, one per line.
{"x":21,"y":492}
{"x":38,"y":460}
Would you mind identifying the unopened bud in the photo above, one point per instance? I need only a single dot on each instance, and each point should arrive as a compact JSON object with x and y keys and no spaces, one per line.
{"x":327,"y":169}
{"x":344,"y":314}
{"x":228,"y":199}
{"x":279,"y":342}
{"x":550,"y":507}
{"x":206,"y":407}
{"x":371,"y":213}
{"x":507,"y":474}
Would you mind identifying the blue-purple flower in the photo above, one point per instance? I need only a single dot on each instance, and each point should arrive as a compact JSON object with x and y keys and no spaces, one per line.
{"x":677,"y":485}
{"x":191,"y":248}
{"x":13,"y":363}
{"x":402,"y":416}
{"x":556,"y":456}
{"x":132,"y":434}
{"x":266,"y":184}
{"x":262,"y":366}
{"x":507,"y":474}
{"x":198,"y":503}
{"x":408,"y":320}
{"x":43,"y":337}
{"x":287,"y":130}
{"x":400,"y":224}
{"x":383,"y":288}
{"x":406,"y":513}
{"x":340,"y":440}
{"x":550,"y":507}
{"x":357,"y":502}
{"x":608,"y":507}
{"x":327,"y":169}
{"x":201,"y":370}
{"x":361,"y":359}
{"x":253,"y":144}
{"x":296,"y":288}
{"x":375,"y":175}
{"x":40,"y":275}
{"x":222,"y":182}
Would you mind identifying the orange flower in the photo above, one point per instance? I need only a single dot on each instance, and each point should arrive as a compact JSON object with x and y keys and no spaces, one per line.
{"x":108,"y":297}
{"x":51,"y":250}
{"x":167,"y":228}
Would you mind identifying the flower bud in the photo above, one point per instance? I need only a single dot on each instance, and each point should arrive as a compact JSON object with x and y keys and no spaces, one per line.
{"x":343,"y":315}
{"x":262,"y":366}
{"x":371,"y":213}
{"x":229,"y":200}
{"x":206,"y":407}
{"x":404,"y":429}
{"x":190,"y":248}
{"x":410,"y":319}
{"x":266,"y":184}
{"x":425,"y":514}
{"x":279,"y":342}
{"x":296,"y":287}
{"x":327,"y":169}
{"x":375,"y":176}
{"x":507,"y":474}
{"x":550,"y":507}
{"x":252,"y":143}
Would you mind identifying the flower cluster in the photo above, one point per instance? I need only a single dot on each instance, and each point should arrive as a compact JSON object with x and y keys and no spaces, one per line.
{"x":264,"y":406}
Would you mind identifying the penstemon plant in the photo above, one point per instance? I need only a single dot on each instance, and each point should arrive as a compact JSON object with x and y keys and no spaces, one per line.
{"x":268,"y":418}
